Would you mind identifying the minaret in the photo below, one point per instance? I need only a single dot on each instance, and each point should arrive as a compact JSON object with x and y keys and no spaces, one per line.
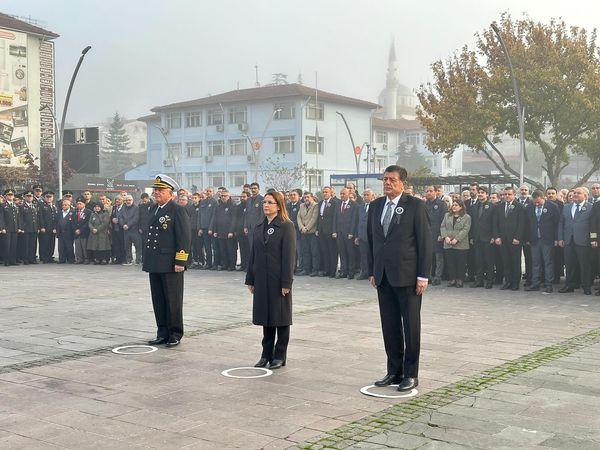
{"x":391,"y":84}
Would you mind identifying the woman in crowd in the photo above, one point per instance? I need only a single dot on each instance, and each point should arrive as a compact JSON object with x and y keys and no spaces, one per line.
{"x":99,"y":241}
{"x":269,"y":278}
{"x":455,"y":233}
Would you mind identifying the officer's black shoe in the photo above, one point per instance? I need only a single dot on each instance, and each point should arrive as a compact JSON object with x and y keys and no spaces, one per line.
{"x":408,"y":384}
{"x":172,"y":342}
{"x":388,"y":380}
{"x":505,"y":286}
{"x":566,"y":289}
{"x":158,"y":341}
{"x":277,"y":364}
{"x":532,"y":288}
{"x":262,"y":362}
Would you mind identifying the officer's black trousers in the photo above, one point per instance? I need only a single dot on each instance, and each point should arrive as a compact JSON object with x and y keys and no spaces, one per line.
{"x":167,"y":301}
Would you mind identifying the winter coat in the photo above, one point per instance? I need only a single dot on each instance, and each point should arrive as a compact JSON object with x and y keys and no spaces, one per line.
{"x":270,"y":269}
{"x":458,"y":230}
{"x":101,"y":240}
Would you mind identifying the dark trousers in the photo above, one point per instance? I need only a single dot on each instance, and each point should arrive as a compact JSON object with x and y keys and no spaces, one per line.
{"x":498,"y":264}
{"x":577,"y":261}
{"x":197,"y":247}
{"x":437,"y":266}
{"x":528,"y":262}
{"x":29,"y":247}
{"x":347,"y":253}
{"x":299,"y":257}
{"x":66,"y":250}
{"x":208,"y":249}
{"x":310,"y":253}
{"x":10,"y":248}
{"x":275,"y":350}
{"x":329,"y":254}
{"x":511,"y":258}
{"x":363,"y":248}
{"x":227,"y":253}
{"x":244,"y":246}
{"x":542,"y":260}
{"x":484,"y":259}
{"x":167,"y":301}
{"x":118,"y":245}
{"x":457,"y":263}
{"x":216,"y":250}
{"x":471,"y":264}
{"x":400,"y":312}
{"x":133,"y":237}
{"x":559,"y":263}
{"x":47,"y":244}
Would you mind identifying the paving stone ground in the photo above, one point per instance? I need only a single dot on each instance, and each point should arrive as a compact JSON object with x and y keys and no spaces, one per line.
{"x":497,"y":370}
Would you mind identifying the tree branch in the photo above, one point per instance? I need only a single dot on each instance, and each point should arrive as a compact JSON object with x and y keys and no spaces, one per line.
{"x":507,"y":167}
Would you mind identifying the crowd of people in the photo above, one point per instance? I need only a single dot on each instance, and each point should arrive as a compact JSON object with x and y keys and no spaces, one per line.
{"x":478,"y":236}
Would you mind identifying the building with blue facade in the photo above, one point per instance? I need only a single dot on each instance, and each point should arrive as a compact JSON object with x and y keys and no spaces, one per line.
{"x":231,"y":139}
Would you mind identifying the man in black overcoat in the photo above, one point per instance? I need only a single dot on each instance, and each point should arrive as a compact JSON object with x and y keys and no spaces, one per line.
{"x":167,"y":247}
{"x":437,"y":209}
{"x":325,"y":233}
{"x":400,"y":250}
{"x":482,"y":238}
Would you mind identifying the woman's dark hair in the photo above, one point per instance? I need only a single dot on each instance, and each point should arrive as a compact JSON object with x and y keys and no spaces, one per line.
{"x":460,"y":203}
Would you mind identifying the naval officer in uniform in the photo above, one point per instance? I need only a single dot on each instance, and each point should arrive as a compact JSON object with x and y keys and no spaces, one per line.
{"x":167,"y":247}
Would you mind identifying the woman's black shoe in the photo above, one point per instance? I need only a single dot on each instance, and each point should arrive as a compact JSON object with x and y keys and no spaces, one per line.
{"x":262,"y":362}
{"x":276,"y":364}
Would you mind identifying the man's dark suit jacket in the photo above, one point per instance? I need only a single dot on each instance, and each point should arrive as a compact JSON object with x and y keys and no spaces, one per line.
{"x":548,"y":224}
{"x":511,"y":226}
{"x":405,"y":253}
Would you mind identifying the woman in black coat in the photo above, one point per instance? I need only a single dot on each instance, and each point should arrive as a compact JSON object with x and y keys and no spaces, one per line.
{"x":269,"y":278}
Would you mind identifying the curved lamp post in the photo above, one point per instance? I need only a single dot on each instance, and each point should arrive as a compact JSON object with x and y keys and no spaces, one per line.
{"x":255,"y":148}
{"x":64,"y":116}
{"x":520,"y":110}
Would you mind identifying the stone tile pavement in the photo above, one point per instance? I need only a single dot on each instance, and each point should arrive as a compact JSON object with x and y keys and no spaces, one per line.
{"x":497,"y":370}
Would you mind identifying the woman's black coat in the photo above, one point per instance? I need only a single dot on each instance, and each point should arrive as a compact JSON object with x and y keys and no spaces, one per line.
{"x":270,"y":269}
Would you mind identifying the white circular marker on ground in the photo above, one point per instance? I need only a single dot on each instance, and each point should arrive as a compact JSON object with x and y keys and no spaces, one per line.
{"x":267,"y":372}
{"x":366,"y":391}
{"x":149,"y":349}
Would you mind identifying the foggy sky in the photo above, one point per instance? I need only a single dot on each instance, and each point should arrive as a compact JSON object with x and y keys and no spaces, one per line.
{"x":147,"y":53}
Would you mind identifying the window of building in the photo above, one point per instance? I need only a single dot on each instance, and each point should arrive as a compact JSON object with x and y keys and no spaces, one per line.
{"x":380,"y":164}
{"x":310,"y":145}
{"x":237,"y":114}
{"x":284,"y":111}
{"x":194,"y":179}
{"x":237,"y":147}
{"x":173,"y":120}
{"x":214,"y":116}
{"x":216,"y":178}
{"x":313,"y":179}
{"x":237,"y":179}
{"x":216,"y":148}
{"x":176,"y":176}
{"x":381,"y":137}
{"x":193,"y":149}
{"x":193,"y":119}
{"x":413,"y":138}
{"x":284,"y":144}
{"x":173,"y":152}
{"x":315,"y":111}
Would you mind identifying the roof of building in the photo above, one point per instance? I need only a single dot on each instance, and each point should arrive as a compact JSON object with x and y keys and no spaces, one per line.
{"x":12,"y":23}
{"x":148,"y":118}
{"x":397,"y":124}
{"x":265,"y":93}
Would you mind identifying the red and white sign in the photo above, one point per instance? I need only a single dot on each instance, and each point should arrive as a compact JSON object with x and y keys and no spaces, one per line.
{"x":257,"y":145}
{"x":357,"y":150}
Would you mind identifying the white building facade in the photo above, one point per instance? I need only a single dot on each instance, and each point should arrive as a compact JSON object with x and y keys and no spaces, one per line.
{"x":229,"y":139}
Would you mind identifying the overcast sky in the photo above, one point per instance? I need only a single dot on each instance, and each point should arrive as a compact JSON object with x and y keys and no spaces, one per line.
{"x":147,"y":53}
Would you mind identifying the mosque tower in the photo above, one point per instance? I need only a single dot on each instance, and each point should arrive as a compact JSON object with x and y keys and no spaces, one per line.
{"x":398,"y":101}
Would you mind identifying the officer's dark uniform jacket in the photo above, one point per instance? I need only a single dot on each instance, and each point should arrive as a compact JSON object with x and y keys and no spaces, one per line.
{"x":168,"y":240}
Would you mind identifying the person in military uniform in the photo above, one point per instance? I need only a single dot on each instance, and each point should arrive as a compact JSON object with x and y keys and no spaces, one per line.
{"x":11,"y":227}
{"x":197,"y":247}
{"x":224,"y":232}
{"x":30,"y":227}
{"x":167,"y":247}
{"x":48,"y":220}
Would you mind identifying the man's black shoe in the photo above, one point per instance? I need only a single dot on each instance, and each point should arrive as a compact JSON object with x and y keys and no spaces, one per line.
{"x":262,"y":362}
{"x":566,"y":289}
{"x":172,"y":342}
{"x":477,"y":284}
{"x":514,"y":288}
{"x":388,"y":380}
{"x":341,"y":275}
{"x":362,"y":276}
{"x":548,"y":290}
{"x":435,"y":282}
{"x":587,"y":291}
{"x":158,"y":341}
{"x":277,"y":364}
{"x":302,"y":273}
{"x":505,"y":286}
{"x":314,"y":274}
{"x":408,"y":384}
{"x":597,"y":294}
{"x":527,"y":283}
{"x":532,"y":288}
{"x":489,"y":285}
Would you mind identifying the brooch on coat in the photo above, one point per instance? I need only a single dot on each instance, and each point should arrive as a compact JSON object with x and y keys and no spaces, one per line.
{"x":399,"y":210}
{"x":270,"y":231}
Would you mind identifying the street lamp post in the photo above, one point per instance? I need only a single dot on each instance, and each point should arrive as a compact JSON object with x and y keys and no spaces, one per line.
{"x":173,"y":158}
{"x":356,"y":155}
{"x":64,"y":116}
{"x":520,"y":109}
{"x":256,"y":146}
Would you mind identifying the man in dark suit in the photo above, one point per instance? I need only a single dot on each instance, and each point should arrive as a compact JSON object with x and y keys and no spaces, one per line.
{"x":325,"y":233}
{"x":574,"y":236}
{"x":362,"y":239}
{"x":510,"y":229}
{"x":82,"y":231}
{"x":65,"y":232}
{"x":471,"y":204}
{"x":542,"y":218}
{"x":400,"y":251}
{"x":437,"y":209}
{"x":346,"y":228}
{"x":48,"y":222}
{"x":481,"y":236}
{"x":293,"y":207}
{"x":558,"y":254}
{"x":525,"y":200}
{"x":224,"y":232}
{"x":167,"y":247}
